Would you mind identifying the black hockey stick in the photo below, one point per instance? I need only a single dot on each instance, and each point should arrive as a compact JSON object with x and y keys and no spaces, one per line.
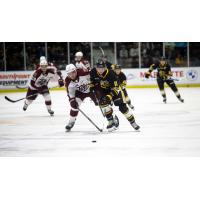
{"x":90,"y":120}
{"x":102,"y":51}
{"x":98,"y":104}
{"x":14,"y":101}
{"x":21,"y":86}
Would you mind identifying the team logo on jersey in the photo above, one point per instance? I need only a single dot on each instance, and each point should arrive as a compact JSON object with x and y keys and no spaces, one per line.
{"x":192,"y":75}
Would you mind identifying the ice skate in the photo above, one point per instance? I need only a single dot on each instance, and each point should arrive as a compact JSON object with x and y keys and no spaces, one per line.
{"x":51,"y":112}
{"x":135,"y":126}
{"x":131,"y":106}
{"x":164,"y":100}
{"x":25,"y":106}
{"x":111,"y":126}
{"x":116,"y":121}
{"x":69,"y":126}
{"x":181,"y":100}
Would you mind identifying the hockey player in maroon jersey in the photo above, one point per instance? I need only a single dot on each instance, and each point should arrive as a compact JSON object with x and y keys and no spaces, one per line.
{"x":80,"y":62}
{"x":77,"y":84}
{"x":38,"y":84}
{"x":43,"y":58}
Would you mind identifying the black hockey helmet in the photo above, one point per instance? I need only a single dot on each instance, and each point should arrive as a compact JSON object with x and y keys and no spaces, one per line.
{"x":163,"y":58}
{"x":100,"y":64}
{"x":118,"y":66}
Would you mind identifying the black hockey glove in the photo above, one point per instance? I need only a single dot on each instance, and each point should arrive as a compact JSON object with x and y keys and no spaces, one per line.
{"x":106,"y":100}
{"x":147,"y":74}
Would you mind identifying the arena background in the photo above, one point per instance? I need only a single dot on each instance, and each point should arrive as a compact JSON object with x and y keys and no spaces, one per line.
{"x":18,"y":60}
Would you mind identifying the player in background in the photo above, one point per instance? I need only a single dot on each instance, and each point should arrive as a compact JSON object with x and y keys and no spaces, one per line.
{"x":164,"y":75}
{"x":77,"y":84}
{"x":39,"y":84}
{"x":104,"y":84}
{"x":80,"y":62}
{"x":122,"y":82}
{"x":108,"y":64}
{"x":43,"y":58}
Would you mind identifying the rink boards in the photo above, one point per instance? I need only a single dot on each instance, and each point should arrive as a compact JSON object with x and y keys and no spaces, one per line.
{"x":186,"y":77}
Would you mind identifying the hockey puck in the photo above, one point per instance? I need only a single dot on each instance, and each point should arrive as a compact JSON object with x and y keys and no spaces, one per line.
{"x":94,"y":141}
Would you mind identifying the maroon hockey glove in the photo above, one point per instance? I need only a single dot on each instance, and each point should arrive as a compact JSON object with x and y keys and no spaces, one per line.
{"x":61,"y":82}
{"x":73,"y":103}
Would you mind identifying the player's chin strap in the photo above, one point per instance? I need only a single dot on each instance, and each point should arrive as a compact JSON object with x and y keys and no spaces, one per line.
{"x":90,"y":120}
{"x":14,"y":101}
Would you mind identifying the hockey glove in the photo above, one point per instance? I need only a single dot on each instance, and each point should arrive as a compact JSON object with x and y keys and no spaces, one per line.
{"x":73,"y":103}
{"x":106,"y":100}
{"x":61,"y":82}
{"x":147,"y":74}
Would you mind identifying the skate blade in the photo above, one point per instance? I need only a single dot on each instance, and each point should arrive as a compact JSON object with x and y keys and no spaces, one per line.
{"x":112,"y":129}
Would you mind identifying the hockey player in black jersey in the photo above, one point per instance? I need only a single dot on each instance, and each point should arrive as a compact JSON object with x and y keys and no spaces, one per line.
{"x":104,"y":59}
{"x":122,"y":84}
{"x":164,"y":75}
{"x":104,"y":84}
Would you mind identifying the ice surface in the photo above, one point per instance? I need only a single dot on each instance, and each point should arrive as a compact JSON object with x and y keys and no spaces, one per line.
{"x":171,"y":129}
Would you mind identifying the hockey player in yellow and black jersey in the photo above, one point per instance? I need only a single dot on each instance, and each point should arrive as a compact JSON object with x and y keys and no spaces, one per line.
{"x":104,"y":84}
{"x":164,"y":75}
{"x":121,"y":77}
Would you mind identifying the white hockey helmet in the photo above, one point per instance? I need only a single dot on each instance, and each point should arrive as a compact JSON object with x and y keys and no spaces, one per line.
{"x":43,"y":62}
{"x":42,"y":58}
{"x":70,"y":68}
{"x":79,"y":54}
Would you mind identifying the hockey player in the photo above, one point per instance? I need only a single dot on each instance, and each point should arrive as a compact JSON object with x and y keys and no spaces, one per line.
{"x":80,"y":62}
{"x":38,"y":85}
{"x":77,"y":84}
{"x":104,"y":83}
{"x":108,"y":64}
{"x":164,"y":75}
{"x":122,"y":84}
{"x":43,"y":58}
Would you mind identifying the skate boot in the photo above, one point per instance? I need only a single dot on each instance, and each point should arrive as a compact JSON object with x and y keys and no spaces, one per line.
{"x":116,"y":121}
{"x":181,"y":100}
{"x":164,"y":100}
{"x":111,"y":125}
{"x":69,"y":126}
{"x":131,"y":106}
{"x":51,"y":112}
{"x":25,"y":106}
{"x":135,"y":126}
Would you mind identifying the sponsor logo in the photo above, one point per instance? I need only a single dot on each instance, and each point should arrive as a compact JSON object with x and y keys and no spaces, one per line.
{"x":130,"y":76}
{"x":192,"y":75}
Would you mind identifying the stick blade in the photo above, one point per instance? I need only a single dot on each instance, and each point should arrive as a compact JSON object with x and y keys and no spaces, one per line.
{"x":10,"y":100}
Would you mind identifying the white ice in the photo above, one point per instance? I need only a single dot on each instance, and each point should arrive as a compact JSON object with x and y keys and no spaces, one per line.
{"x":171,"y":129}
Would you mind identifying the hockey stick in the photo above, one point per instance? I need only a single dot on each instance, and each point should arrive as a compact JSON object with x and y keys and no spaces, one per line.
{"x":98,"y":104}
{"x":102,"y":51}
{"x":90,"y":120}
{"x":154,"y":78}
{"x":21,"y":87}
{"x":14,"y":101}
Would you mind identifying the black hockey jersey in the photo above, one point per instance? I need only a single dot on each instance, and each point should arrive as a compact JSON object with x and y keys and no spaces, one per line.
{"x":163,"y":71}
